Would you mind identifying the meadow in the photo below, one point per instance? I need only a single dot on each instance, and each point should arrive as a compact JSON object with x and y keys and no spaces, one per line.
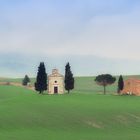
{"x":85,"y":114}
{"x":82,"y":84}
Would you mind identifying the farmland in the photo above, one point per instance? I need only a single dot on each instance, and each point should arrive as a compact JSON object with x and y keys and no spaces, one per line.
{"x":82,"y":84}
{"x":83,"y":114}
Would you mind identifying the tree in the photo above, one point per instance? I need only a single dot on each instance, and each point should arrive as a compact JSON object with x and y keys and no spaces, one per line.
{"x":26,"y":80}
{"x":105,"y":80}
{"x":69,"y":79}
{"x":41,"y":80}
{"x":120,"y":84}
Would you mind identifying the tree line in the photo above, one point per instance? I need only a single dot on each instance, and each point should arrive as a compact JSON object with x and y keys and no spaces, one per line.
{"x":41,"y":83}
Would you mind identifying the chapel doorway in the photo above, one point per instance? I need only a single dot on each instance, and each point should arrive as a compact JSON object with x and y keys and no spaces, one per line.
{"x":55,"y":90}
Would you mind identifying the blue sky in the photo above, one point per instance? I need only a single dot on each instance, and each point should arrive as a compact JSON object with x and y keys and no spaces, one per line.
{"x":95,"y":36}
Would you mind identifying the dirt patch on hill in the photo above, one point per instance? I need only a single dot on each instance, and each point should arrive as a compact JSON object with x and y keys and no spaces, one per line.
{"x":17,"y":84}
{"x":94,"y":124}
{"x":136,"y":117}
{"x":122,"y":119}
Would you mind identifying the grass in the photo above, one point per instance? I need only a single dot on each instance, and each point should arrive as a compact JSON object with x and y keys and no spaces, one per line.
{"x":24,"y":114}
{"x":82,"y":84}
{"x":87,"y":85}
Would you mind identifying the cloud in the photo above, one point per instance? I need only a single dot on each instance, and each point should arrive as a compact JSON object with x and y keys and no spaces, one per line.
{"x":110,"y":36}
{"x":113,"y":36}
{"x":70,"y":31}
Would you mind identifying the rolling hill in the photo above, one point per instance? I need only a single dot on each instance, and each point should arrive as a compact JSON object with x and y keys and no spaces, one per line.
{"x":82,"y":84}
{"x":24,"y":114}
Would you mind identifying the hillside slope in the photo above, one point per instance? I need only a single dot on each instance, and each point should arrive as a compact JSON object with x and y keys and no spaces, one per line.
{"x":82,"y":84}
{"x":25,"y":115}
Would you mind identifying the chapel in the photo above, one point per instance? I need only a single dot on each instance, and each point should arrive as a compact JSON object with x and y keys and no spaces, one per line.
{"x":55,"y":82}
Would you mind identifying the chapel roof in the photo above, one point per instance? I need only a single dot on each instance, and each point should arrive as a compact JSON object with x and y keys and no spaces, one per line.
{"x":55,"y":73}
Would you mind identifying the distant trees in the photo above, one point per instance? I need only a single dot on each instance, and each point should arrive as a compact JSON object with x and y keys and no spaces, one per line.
{"x":41,"y":79}
{"x":26,"y":80}
{"x":120,"y":84}
{"x":69,"y":79}
{"x":105,"y":80}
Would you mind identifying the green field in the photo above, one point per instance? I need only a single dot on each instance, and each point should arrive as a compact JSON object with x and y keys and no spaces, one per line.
{"x":83,"y":84}
{"x":82,"y":115}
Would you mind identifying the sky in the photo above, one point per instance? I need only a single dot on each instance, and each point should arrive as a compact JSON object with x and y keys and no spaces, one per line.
{"x":95,"y":36}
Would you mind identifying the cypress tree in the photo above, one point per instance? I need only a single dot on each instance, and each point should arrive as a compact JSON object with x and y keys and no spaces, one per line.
{"x":120,"y":84}
{"x":69,"y":79}
{"x":41,"y":80}
{"x":26,"y":80}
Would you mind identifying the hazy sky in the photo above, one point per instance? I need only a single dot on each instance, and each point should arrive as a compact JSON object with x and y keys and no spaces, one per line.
{"x":95,"y":36}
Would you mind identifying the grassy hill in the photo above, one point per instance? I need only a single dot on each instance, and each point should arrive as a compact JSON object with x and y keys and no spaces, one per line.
{"x":82,"y":84}
{"x":25,"y":115}
{"x":83,"y":114}
{"x":87,"y":84}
